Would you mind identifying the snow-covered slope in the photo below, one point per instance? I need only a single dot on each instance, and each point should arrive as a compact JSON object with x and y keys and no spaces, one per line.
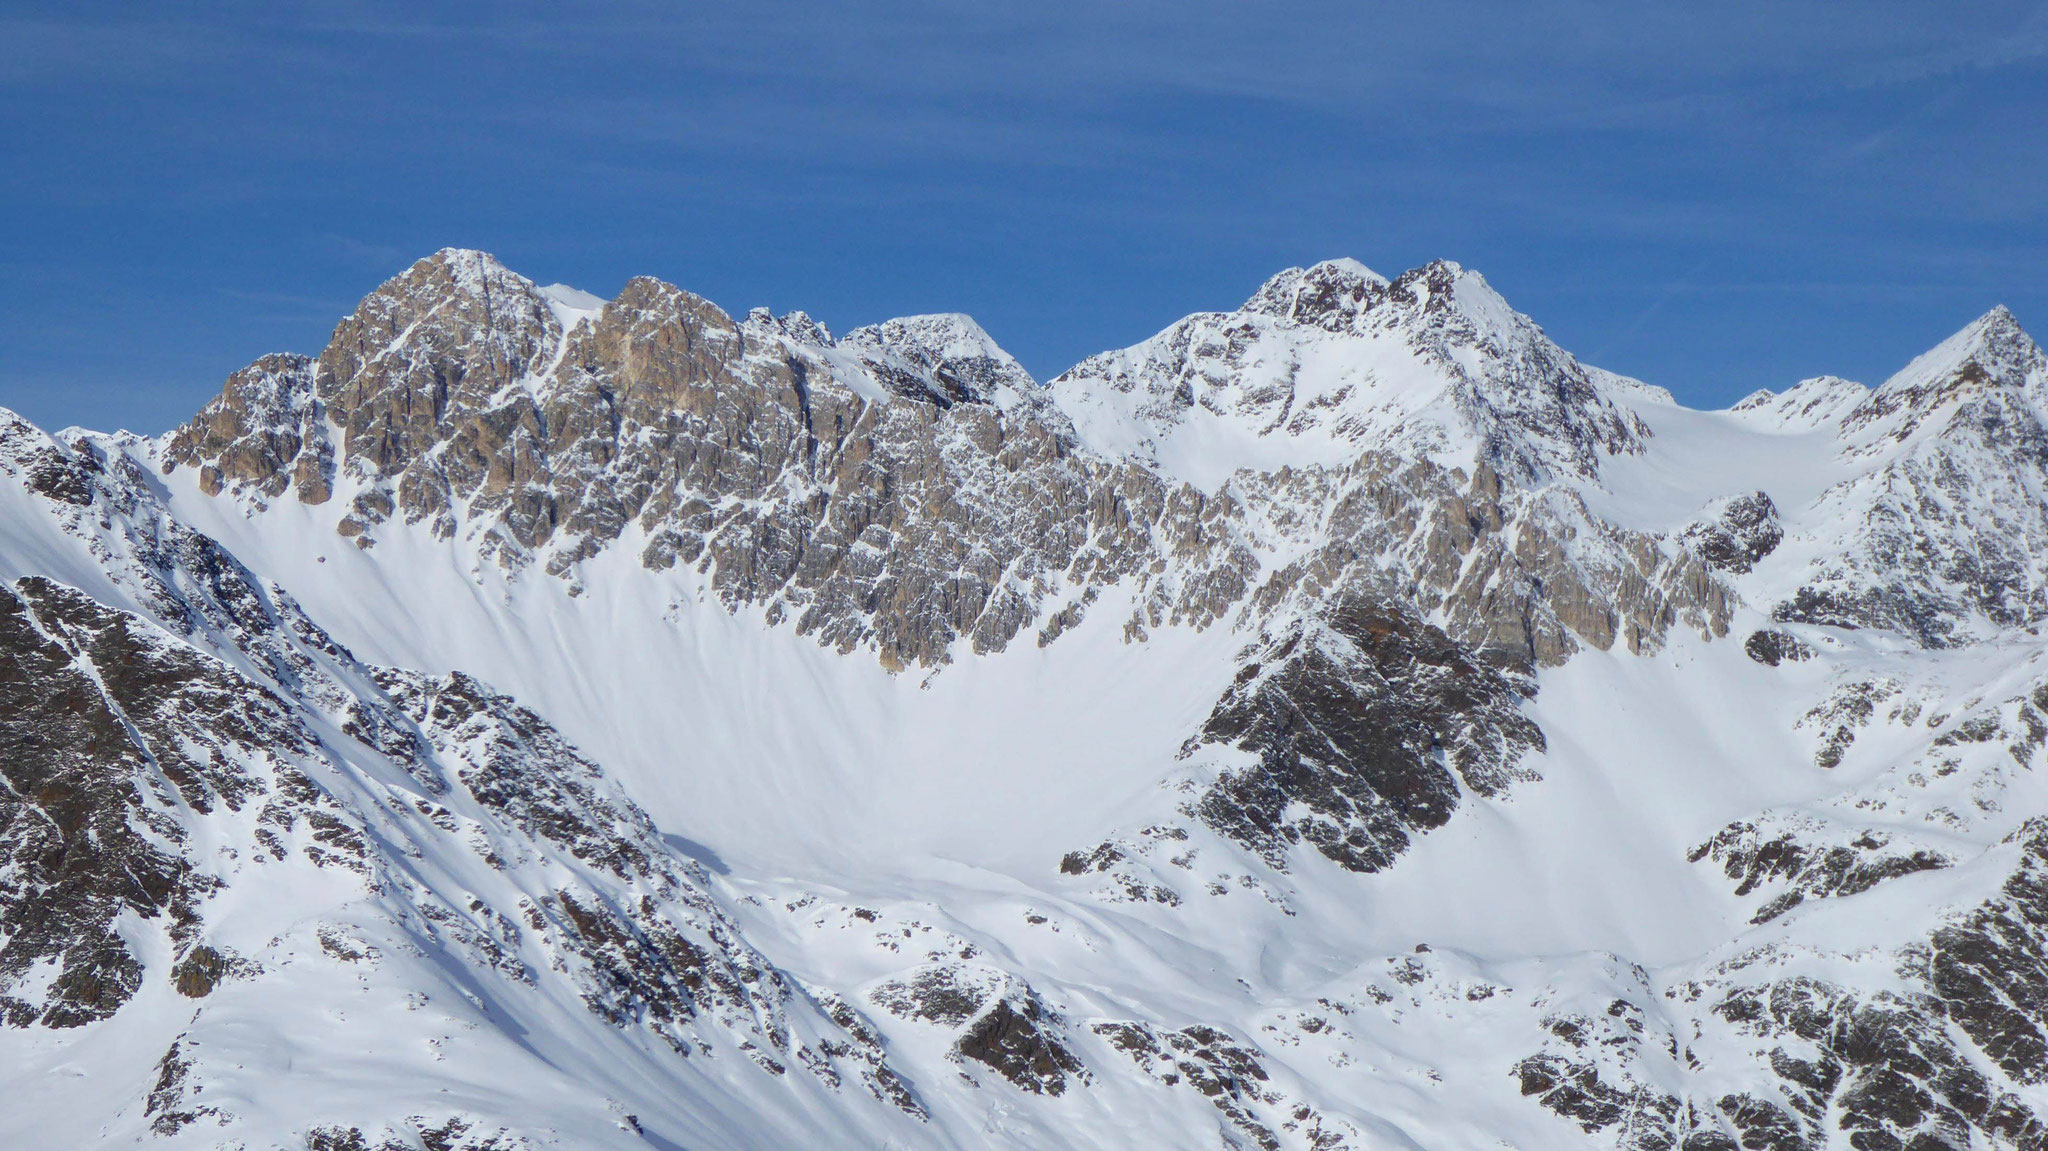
{"x":1347,"y":721}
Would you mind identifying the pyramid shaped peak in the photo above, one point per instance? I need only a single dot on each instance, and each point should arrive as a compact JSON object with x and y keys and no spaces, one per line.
{"x":951,"y":335}
{"x":952,"y":355}
{"x":466,"y":264}
{"x":1991,"y":354}
{"x":457,"y":272}
{"x":1991,"y":350}
{"x":2000,"y":332}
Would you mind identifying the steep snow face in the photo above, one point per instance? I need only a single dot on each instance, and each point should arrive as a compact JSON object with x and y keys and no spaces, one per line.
{"x":540,"y":721}
{"x":1325,"y":362}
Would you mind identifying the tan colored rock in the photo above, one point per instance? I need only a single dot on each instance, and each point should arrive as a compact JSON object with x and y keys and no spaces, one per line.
{"x":906,"y":490}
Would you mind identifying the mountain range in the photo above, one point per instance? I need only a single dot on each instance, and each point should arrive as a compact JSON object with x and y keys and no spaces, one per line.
{"x":1344,"y":722}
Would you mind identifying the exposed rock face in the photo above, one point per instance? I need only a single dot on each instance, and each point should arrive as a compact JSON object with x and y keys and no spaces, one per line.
{"x":1794,"y":853}
{"x":1773,"y":646}
{"x":125,"y":745}
{"x":1881,"y":1070}
{"x":1365,"y":726}
{"x":908,"y":487}
{"x":1225,"y":1072}
{"x":1990,"y":970}
{"x":1943,"y":539}
{"x":1736,"y":533}
{"x":422,"y":362}
{"x":1000,"y":1022}
{"x":223,"y":742}
{"x":108,"y":730}
{"x":1018,"y":1040}
{"x":1523,"y":577}
{"x":263,"y":433}
{"x":1567,"y":1078}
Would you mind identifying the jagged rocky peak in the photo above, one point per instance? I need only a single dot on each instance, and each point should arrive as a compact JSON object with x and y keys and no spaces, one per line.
{"x":431,"y":344}
{"x":1330,"y":295}
{"x":1938,"y":532}
{"x":1334,"y":294}
{"x":1327,"y":362}
{"x":252,"y":435}
{"x":941,"y":359}
{"x":948,"y":349}
{"x":1446,"y":285}
{"x":1539,"y":413}
{"x":812,"y":475}
{"x":428,"y":348}
{"x":1991,"y":355}
{"x":797,"y":327}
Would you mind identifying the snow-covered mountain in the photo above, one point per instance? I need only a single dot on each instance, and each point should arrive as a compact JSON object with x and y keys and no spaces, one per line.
{"x":1343,"y":722}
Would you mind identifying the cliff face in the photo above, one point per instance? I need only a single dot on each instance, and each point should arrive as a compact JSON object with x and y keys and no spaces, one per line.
{"x":1344,"y":721}
{"x":909,"y":487}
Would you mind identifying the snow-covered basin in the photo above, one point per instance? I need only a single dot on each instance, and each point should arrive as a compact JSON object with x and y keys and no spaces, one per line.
{"x":1698,"y":456}
{"x":776,"y":757}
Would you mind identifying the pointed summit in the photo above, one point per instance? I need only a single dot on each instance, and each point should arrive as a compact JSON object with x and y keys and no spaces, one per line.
{"x":430,"y":344}
{"x":1990,"y":354}
{"x":1328,"y":295}
{"x":1992,"y":350}
{"x":449,"y":275}
{"x":1447,"y":288}
{"x":950,"y":357}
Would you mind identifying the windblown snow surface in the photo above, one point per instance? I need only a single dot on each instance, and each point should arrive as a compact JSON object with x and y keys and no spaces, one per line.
{"x":478,"y":849}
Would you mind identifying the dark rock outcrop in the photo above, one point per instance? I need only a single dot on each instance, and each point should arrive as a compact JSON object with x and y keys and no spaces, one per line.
{"x":1367,"y":724}
{"x":1736,"y":533}
{"x":1773,"y":646}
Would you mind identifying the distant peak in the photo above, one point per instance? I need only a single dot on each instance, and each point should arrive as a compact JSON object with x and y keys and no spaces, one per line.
{"x":1316,"y":294}
{"x":1992,"y":350}
{"x":953,"y":357}
{"x":461,"y":271}
{"x":470,"y":261}
{"x":797,"y":325}
{"x":1807,"y":405}
{"x":575,"y":298}
{"x":1446,"y":287}
{"x":951,"y":335}
{"x":1991,"y":354}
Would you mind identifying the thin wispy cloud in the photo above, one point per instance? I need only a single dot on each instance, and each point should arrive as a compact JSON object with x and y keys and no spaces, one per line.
{"x":1075,"y":173}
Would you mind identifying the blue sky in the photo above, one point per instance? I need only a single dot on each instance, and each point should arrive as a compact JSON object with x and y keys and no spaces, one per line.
{"x":1714,"y":197}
